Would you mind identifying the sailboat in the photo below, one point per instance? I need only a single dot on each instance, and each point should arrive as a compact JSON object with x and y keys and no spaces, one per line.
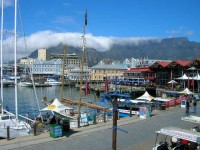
{"x":7,"y":119}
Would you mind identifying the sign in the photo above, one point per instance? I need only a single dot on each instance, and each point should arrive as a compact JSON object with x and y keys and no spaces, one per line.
{"x":144,"y":112}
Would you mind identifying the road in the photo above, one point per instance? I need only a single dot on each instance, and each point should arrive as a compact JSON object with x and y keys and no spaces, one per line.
{"x":141,"y":134}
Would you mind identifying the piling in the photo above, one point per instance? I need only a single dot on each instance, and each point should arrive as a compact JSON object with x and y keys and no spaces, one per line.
{"x":8,"y":133}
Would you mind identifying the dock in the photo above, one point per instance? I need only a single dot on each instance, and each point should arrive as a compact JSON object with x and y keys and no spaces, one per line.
{"x":99,"y":136}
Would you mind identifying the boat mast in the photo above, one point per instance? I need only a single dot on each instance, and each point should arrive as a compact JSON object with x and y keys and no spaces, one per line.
{"x":15,"y":59}
{"x":63,"y":70}
{"x":82,"y":64}
{"x":2,"y":7}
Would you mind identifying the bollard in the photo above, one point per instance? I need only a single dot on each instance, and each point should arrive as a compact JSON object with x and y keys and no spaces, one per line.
{"x":8,"y":133}
{"x":34,"y":128}
{"x":104,"y":117}
{"x":79,"y":121}
{"x":95,"y":119}
{"x":118,"y":115}
{"x":130,"y":112}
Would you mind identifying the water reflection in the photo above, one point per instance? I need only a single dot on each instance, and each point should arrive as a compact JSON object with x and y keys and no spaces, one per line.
{"x":27,"y":99}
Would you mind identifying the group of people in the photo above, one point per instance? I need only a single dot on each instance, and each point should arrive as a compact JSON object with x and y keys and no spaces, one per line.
{"x":187,"y":105}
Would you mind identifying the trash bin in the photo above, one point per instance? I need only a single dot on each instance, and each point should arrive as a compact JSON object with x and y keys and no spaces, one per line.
{"x":55,"y":130}
{"x":66,"y":125}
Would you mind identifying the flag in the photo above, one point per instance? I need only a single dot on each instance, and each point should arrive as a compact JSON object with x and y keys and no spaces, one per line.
{"x":188,"y":83}
{"x":106,"y":89}
{"x":87,"y":90}
{"x":86,"y":17}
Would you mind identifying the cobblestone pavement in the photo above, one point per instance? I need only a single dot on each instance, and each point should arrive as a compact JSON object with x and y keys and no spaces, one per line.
{"x":141,"y":134}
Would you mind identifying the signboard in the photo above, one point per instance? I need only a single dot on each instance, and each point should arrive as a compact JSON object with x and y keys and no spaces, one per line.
{"x":144,"y":112}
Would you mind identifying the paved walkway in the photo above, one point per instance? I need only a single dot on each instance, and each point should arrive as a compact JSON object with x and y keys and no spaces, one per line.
{"x":101,"y":132}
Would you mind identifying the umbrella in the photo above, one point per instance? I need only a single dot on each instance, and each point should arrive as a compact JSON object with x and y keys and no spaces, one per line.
{"x":172,"y":82}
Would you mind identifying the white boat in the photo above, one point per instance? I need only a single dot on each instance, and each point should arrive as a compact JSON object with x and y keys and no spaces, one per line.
{"x":17,"y":127}
{"x":25,"y":83}
{"x":7,"y":82}
{"x":51,"y":81}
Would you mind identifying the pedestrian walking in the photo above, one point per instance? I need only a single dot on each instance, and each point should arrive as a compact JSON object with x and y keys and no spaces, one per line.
{"x":187,"y":106}
{"x":195,"y":106}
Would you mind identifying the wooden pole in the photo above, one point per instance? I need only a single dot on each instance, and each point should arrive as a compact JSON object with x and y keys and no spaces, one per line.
{"x":81,"y":73}
{"x":63,"y":70}
{"x":115,"y":116}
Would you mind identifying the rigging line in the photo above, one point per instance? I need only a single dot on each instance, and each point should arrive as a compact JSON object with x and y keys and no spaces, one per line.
{"x":26,"y":48}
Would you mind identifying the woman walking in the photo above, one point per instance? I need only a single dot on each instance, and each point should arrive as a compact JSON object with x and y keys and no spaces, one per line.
{"x":195,"y":106}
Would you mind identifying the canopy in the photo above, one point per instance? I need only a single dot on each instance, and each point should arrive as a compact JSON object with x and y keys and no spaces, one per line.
{"x":145,"y":96}
{"x":184,"y":77}
{"x":181,"y":134}
{"x":197,"y":77}
{"x":172,"y":82}
{"x":186,"y":91}
{"x":56,"y":106}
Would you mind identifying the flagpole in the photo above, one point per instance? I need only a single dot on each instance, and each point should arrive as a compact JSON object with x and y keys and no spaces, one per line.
{"x":81,"y":73}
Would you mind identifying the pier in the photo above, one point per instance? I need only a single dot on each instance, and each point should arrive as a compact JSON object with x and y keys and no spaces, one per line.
{"x":99,"y":136}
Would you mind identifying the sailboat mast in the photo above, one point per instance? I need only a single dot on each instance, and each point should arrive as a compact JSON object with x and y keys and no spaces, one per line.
{"x":82,"y":64}
{"x":2,"y":19}
{"x":15,"y":59}
{"x":63,"y":70}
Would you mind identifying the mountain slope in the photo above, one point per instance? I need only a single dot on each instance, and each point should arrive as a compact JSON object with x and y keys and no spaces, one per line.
{"x":169,"y":48}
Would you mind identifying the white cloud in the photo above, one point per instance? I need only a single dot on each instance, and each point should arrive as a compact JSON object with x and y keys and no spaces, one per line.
{"x":46,"y":39}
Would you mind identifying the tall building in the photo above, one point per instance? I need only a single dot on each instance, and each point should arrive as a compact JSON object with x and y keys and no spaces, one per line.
{"x":71,"y":59}
{"x":43,"y":54}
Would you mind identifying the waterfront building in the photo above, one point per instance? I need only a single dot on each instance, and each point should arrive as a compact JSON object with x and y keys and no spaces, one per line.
{"x":71,"y":59}
{"x":101,"y":71}
{"x":166,"y":71}
{"x":139,"y":75}
{"x":26,"y":61}
{"x":74,"y":74}
{"x":45,"y":68}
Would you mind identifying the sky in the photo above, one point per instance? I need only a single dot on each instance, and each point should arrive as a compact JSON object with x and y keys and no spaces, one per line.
{"x":47,"y":23}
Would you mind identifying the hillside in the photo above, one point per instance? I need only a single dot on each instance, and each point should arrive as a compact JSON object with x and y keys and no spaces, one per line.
{"x":169,"y":48}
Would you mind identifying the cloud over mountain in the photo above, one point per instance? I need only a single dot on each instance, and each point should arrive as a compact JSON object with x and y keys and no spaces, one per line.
{"x":47,"y":38}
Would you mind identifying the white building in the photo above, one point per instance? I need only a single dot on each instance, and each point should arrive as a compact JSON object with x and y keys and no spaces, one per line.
{"x":49,"y":67}
{"x":75,"y":73}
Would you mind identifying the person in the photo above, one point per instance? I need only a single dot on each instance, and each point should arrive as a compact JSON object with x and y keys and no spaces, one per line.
{"x":187,"y":106}
{"x":195,"y":106}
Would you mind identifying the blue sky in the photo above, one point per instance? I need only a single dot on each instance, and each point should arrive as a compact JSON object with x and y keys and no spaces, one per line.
{"x":107,"y":20}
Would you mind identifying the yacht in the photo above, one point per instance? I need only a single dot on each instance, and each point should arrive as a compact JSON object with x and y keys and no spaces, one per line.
{"x":51,"y":81}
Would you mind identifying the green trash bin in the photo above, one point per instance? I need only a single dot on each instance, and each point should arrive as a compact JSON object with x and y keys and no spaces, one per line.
{"x":55,"y":130}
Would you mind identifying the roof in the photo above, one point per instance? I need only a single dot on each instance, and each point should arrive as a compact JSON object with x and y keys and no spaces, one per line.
{"x":146,"y":69}
{"x":181,"y":62}
{"x":160,"y":63}
{"x":110,"y":67}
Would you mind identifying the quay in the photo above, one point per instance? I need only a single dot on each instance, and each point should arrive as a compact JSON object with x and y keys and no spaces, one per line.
{"x":141,"y":134}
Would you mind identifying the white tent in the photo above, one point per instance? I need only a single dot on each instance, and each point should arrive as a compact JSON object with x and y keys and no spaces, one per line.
{"x":186,"y":91}
{"x":145,"y":96}
{"x":197,"y":77}
{"x":184,"y":77}
{"x":57,"y":106}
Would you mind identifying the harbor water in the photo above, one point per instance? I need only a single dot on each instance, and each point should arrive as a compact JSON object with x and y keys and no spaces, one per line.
{"x":27,"y":99}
